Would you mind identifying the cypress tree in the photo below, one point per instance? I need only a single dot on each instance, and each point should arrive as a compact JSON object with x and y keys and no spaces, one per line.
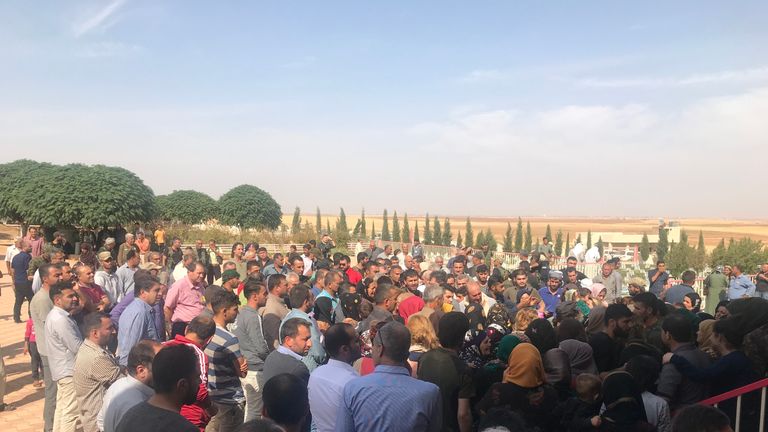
{"x":508,"y":239}
{"x":468,"y":235}
{"x":447,"y":235}
{"x":395,"y":227}
{"x":296,"y":223}
{"x":437,"y":233}
{"x":406,"y":234}
{"x":385,"y":228}
{"x":519,"y":235}
{"x":528,"y":237}
{"x":427,"y":231}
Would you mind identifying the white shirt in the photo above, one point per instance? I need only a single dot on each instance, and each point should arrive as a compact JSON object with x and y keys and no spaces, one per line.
{"x":126,"y":392}
{"x":11,"y":252}
{"x":179,"y":272}
{"x":110,"y":283}
{"x":37,"y":282}
{"x":326,"y":387}
{"x":307,"y":265}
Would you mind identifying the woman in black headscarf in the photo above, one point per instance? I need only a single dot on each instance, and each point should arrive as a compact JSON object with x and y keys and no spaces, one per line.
{"x":542,"y":335}
{"x":557,"y":366}
{"x":350,"y":305}
{"x":624,"y":409}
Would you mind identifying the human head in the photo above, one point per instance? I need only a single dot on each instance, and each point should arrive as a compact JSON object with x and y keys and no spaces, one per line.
{"x":587,"y":387}
{"x":195,"y":272}
{"x":607,"y":269}
{"x":433,"y":296}
{"x":285,"y":400}
{"x":647,"y":305}
{"x":200,"y":330}
{"x":63,"y":296}
{"x":474,"y":292}
{"x":255,"y":294}
{"x":645,"y":370}
{"x":721,"y":310}
{"x":84,"y":274}
{"x":410,"y":280}
{"x":386,"y":296}
{"x":701,"y":418}
{"x":688,"y":277}
{"x":297,"y":265}
{"x":176,"y":374}
{"x":617,"y":319}
{"x":295,"y":335}
{"x":692,"y":302}
{"x":225,"y":307}
{"x":332,"y":281}
{"x":129,"y":239}
{"x":636,"y":286}
{"x":278,"y":285}
{"x":301,"y":298}
{"x":146,"y":287}
{"x":341,"y":343}
{"x":520,"y":278}
{"x":458,"y":267}
{"x":736,"y":269}
{"x":451,"y":330}
{"x":98,"y":328}
{"x":140,"y":360}
{"x":523,"y":318}
{"x":391,"y":344}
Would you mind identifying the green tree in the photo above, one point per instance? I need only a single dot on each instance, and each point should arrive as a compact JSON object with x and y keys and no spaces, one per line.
{"x":416,"y":232}
{"x":296,"y":222}
{"x":342,"y":230}
{"x":395,"y":227}
{"x":645,"y":248}
{"x":662,"y":247}
{"x":13,"y":178}
{"x":356,"y":230}
{"x":567,"y":249}
{"x":490,"y":240}
{"x":480,"y":240}
{"x":427,"y":231}
{"x":373,"y":230}
{"x":589,"y":239}
{"x":318,"y":222}
{"x":528,"y":237}
{"x":578,"y":238}
{"x":447,"y":235}
{"x":363,"y":231}
{"x":406,"y":234}
{"x":559,"y":243}
{"x":681,"y":257}
{"x":468,"y":234}
{"x":519,"y":235}
{"x":600,"y":247}
{"x":701,"y":251}
{"x":718,"y":255}
{"x":187,"y":207}
{"x":247,"y":206}
{"x":548,"y":233}
{"x":328,"y":226}
{"x":437,"y":233}
{"x":507,"y":246}
{"x":458,"y":240}
{"x":745,"y":252}
{"x":385,"y":228}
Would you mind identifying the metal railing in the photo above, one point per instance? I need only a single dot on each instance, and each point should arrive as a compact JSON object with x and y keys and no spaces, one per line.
{"x":761,"y":385}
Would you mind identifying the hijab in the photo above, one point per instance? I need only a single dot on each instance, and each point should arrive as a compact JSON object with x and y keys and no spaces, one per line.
{"x":596,"y":289}
{"x":623,"y":401}
{"x":596,"y":321}
{"x":499,"y":315}
{"x":471,"y":353}
{"x":570,"y":328}
{"x":525,"y":367}
{"x":350,"y":305}
{"x":580,"y":356}
{"x":695,"y":301}
{"x":88,"y":257}
{"x":506,"y":345}
{"x":557,"y":366}
{"x":474,"y":313}
{"x":748,"y":313}
{"x":410,"y":306}
{"x":542,"y":335}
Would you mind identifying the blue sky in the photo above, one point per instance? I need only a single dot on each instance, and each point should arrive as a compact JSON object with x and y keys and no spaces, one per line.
{"x":482,"y":108}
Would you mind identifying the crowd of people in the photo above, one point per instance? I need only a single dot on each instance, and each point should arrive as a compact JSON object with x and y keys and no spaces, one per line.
{"x":140,"y":335}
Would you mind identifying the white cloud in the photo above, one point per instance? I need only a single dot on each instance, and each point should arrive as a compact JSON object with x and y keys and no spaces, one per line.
{"x":100,"y":21}
{"x":732,"y":76}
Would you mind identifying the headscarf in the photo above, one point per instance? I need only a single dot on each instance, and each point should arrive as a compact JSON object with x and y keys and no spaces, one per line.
{"x":623,"y":401}
{"x":570,"y":328}
{"x":596,"y":321}
{"x":596,"y":289}
{"x":474,"y":312}
{"x":410,"y":306}
{"x":506,"y":345}
{"x":88,"y":257}
{"x":706,"y":328}
{"x":695,"y":301}
{"x":748,"y":314}
{"x":580,"y":356}
{"x":557,"y":366}
{"x":499,"y":315}
{"x":542,"y":335}
{"x":525,"y":367}
{"x":471,"y":353}
{"x":350,"y":305}
{"x":569,"y":291}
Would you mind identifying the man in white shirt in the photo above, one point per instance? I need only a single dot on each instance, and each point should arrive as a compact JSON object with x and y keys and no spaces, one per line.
{"x":11,"y":252}
{"x":326,"y":383}
{"x":106,"y":278}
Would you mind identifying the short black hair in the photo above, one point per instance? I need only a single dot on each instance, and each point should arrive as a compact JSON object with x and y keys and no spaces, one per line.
{"x":518,"y":272}
{"x":285,"y":399}
{"x":409,"y":273}
{"x":44,"y":270}
{"x":679,"y":326}
{"x":369,"y":264}
{"x":571,"y":258}
{"x":383,"y":291}
{"x":171,"y":364}
{"x":337,"y":336}
{"x":92,"y":321}
{"x":482,"y":268}
{"x":203,"y":326}
{"x":274,"y":281}
{"x":141,"y":354}
{"x":649,"y":300}
{"x":645,"y":370}
{"x":251,"y":264}
{"x":727,"y":329}
{"x":616,"y":311}
{"x":361,"y":256}
{"x":451,"y":329}
{"x":143,"y":281}
{"x":299,"y":294}
{"x":252,"y":287}
{"x":688,"y":276}
{"x":700,"y":418}
{"x":56,"y":289}
{"x":224,"y":301}
{"x":131,"y":254}
{"x":290,"y":328}
{"x":439,"y":276}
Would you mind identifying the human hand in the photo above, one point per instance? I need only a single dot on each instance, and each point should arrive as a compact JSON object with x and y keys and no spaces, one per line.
{"x":667,"y":358}
{"x":596,"y":421}
{"x":26,"y":348}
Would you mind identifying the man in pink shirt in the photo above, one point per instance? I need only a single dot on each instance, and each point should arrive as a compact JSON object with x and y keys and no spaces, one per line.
{"x":184,"y":300}
{"x":36,"y":241}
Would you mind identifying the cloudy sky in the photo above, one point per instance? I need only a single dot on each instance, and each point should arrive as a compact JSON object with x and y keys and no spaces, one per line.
{"x":483,"y":108}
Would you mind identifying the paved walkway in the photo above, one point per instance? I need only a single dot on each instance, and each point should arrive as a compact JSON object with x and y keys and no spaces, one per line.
{"x":25,"y":401}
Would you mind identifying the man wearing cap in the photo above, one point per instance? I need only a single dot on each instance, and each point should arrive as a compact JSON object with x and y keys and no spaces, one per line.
{"x":106,"y":278}
{"x":551,"y":294}
{"x":109,"y":246}
{"x":130,"y":244}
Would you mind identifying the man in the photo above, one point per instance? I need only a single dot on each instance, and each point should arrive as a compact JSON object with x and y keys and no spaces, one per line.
{"x":658,"y":278}
{"x":52,"y":256}
{"x":635,"y":286}
{"x":606,"y":346}
{"x":63,"y":340}
{"x":761,"y":287}
{"x":373,"y":251}
{"x":230,"y":280}
{"x":263,"y":257}
{"x":612,"y":281}
{"x":287,"y":358}
{"x":395,"y":273}
{"x":184,"y":300}
{"x":352,"y":275}
{"x":410,"y":280}
{"x":570,"y":263}
{"x":35,"y":241}
{"x":433,"y":304}
{"x":176,"y":381}
{"x":297,"y":266}
{"x":519,"y":279}
{"x":443,"y":367}
{"x":385,"y":299}
{"x":458,"y":266}
{"x":125,"y":273}
{"x":327,"y":301}
{"x":22,"y":286}
{"x":11,"y":252}
{"x":179,"y":272}
{"x":226,"y":367}
{"x":96,"y":300}
{"x":389,"y":399}
{"x":137,"y":321}
{"x":326,"y":383}
{"x":106,"y":278}
{"x":476,"y":295}
{"x":715,"y":288}
{"x":417,"y":251}
{"x":130,"y":390}
{"x":109,"y":246}
{"x":482,"y":273}
{"x":39,"y":307}
{"x":676,"y":293}
{"x":741,"y":286}
{"x":174,"y":255}
{"x":143,"y":244}
{"x":248,"y":329}
{"x":199,"y":332}
{"x":275,"y":310}
{"x":440,"y":263}
{"x":60,"y":242}
{"x":95,"y":368}
{"x":129,"y":245}
{"x":676,"y":388}
{"x":552,"y":293}
{"x":302,"y":302}
{"x":276,"y":268}
{"x":648,"y":314}
{"x":286,"y":403}
{"x":386,"y":253}
{"x":214,"y":262}
{"x":326,"y":244}
{"x":159,"y":235}
{"x":202,"y":255}
{"x":362,"y":259}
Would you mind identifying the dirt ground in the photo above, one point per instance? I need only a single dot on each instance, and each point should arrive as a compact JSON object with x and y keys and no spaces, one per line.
{"x":713,"y":229}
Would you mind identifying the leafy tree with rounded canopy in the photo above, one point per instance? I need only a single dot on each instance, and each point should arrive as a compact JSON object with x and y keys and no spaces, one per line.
{"x":87,"y":196}
{"x":13,"y":177}
{"x":247,"y":206}
{"x":187,"y":207}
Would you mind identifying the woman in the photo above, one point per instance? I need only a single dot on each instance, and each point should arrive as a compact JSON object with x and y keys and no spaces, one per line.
{"x":87,"y":256}
{"x":350,"y":305}
{"x":704,"y":338}
{"x":721,"y":310}
{"x":557,"y":366}
{"x":645,"y":370}
{"x":479,"y":348}
{"x":624,"y":408}
{"x":474,"y":312}
{"x":423,"y":339}
{"x":692,"y":302}
{"x":598,"y":294}
{"x":584,"y":301}
{"x":524,"y":389}
{"x":596,"y":321}
{"x":570,"y":328}
{"x":408,"y":304}
{"x":369,"y":289}
{"x":580,"y":357}
{"x":250,"y":251}
{"x":542,"y":335}
{"x":523,"y":319}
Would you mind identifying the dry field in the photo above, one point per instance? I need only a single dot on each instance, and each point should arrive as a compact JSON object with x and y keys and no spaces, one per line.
{"x":713,"y":229}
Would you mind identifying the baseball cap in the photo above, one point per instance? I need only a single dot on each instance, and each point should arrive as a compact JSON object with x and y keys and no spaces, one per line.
{"x":228,"y":275}
{"x":104,"y":256}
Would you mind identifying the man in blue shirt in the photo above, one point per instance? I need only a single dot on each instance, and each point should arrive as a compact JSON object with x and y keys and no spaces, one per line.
{"x":552,"y":293}
{"x":137,"y":321}
{"x":389,"y":399}
{"x":675,"y":294}
{"x":741,"y":286}
{"x":22,"y":286}
{"x":658,"y":278}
